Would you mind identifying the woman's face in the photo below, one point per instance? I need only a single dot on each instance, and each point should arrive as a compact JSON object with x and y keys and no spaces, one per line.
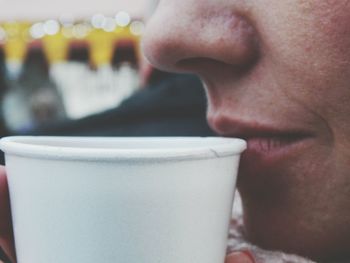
{"x":277,"y":73}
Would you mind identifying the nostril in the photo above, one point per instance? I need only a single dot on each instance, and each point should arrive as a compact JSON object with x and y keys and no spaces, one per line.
{"x":220,"y":38}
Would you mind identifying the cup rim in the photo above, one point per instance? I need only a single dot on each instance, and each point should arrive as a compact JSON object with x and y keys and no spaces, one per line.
{"x":28,"y":146}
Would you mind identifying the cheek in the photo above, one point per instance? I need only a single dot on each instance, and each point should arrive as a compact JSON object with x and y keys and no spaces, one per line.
{"x":307,"y":31}
{"x":331,"y":21}
{"x":311,"y":45}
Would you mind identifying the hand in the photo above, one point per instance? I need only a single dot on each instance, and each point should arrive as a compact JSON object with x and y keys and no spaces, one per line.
{"x":258,"y":255}
{"x":6,"y":233}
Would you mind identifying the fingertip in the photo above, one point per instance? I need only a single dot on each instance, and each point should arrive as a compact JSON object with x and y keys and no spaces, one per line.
{"x":6,"y":234}
{"x":3,"y":188}
{"x":240,"y":257}
{"x":5,"y":210}
{"x":2,"y":173}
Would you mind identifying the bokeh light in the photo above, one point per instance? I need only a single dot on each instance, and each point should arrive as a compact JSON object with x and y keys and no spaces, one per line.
{"x":37,"y":30}
{"x":122,"y":18}
{"x":3,"y":35}
{"x":81,"y":30}
{"x":137,"y":28}
{"x":109,"y":24}
{"x":51,"y":27}
{"x":98,"y":20}
{"x":67,"y":31}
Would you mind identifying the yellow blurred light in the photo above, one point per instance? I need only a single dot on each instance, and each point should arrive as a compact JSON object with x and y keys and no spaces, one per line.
{"x":81,"y":30}
{"x":3,"y":35}
{"x":101,"y":47}
{"x":137,"y":28}
{"x":56,"y":47}
{"x":15,"y":46}
{"x":67,"y":31}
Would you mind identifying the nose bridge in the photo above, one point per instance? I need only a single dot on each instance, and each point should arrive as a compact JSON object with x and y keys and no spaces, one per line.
{"x":198,"y":30}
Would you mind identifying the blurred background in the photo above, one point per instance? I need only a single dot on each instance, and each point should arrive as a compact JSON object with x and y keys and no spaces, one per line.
{"x":43,"y":9}
{"x":76,"y":68}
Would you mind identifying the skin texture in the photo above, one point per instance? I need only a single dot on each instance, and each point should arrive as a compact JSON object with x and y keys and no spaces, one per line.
{"x":284,"y":64}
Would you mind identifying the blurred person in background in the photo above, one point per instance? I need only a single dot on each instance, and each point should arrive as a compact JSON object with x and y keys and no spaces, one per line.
{"x":278,"y":77}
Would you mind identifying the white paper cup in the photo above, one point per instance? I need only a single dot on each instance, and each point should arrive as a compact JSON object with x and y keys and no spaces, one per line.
{"x":121,"y":200}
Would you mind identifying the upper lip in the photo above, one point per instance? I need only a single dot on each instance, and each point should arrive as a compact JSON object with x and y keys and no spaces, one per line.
{"x":254,"y":130}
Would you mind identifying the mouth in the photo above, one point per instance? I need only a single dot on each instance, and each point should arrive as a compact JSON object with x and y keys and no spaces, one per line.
{"x":276,"y":147}
{"x":268,"y":145}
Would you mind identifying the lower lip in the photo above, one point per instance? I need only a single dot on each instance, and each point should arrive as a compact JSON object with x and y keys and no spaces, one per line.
{"x":267,"y":151}
{"x":267,"y":164}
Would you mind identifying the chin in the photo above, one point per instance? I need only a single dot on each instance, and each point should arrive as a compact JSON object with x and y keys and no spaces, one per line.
{"x":273,"y":221}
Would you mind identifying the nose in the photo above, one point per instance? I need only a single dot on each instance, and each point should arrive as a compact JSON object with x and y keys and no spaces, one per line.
{"x":186,"y":35}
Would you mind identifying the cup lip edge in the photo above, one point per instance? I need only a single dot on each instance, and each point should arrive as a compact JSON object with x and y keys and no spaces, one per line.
{"x":11,"y":145}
